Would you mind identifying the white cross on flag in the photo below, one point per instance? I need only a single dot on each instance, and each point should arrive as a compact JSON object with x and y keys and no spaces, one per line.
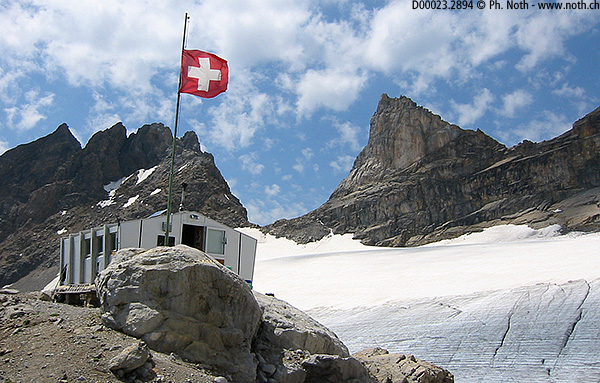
{"x":203,"y":74}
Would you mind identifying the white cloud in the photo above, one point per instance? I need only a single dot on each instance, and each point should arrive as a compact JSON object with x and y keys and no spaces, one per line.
{"x":568,"y":91}
{"x":272,"y":190}
{"x":299,"y":167}
{"x":548,"y":124}
{"x":102,"y":115}
{"x":424,"y":46}
{"x":468,"y":114}
{"x":307,"y":153}
{"x":250,"y":163}
{"x":92,"y":43}
{"x":324,"y":63}
{"x":26,"y":116}
{"x":332,"y":88}
{"x":348,"y":135}
{"x":421,"y":46}
{"x":154,"y":107}
{"x":242,"y":112}
{"x":9,"y":80}
{"x":301,"y":162}
{"x":514,"y":101}
{"x":488,"y":35}
{"x":3,"y":147}
{"x":544,"y":35}
{"x":342,"y":164}
{"x":251,"y":33}
{"x":264,"y":212}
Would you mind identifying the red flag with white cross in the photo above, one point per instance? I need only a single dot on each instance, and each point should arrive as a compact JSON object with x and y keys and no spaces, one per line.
{"x":203,"y":74}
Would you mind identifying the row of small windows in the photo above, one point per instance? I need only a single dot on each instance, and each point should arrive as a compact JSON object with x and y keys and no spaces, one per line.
{"x":98,"y":244}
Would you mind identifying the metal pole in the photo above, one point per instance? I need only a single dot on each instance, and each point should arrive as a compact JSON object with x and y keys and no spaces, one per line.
{"x":167,"y":229}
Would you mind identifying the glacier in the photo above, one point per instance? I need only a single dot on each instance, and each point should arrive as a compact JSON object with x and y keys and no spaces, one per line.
{"x":510,"y":304}
{"x":541,"y":333}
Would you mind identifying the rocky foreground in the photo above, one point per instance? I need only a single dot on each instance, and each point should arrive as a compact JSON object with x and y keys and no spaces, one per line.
{"x":49,"y":342}
{"x":175,"y":315}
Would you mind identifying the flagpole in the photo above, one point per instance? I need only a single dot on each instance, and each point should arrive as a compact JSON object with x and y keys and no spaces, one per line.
{"x":170,"y":198}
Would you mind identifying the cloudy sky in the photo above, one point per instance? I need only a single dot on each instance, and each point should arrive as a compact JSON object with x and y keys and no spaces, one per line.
{"x":305,"y":78}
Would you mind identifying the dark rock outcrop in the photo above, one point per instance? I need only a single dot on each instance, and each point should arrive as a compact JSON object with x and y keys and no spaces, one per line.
{"x":133,"y":362}
{"x":110,"y":155}
{"x":28,"y":168}
{"x":55,"y":187}
{"x":386,"y":367}
{"x":421,"y":179}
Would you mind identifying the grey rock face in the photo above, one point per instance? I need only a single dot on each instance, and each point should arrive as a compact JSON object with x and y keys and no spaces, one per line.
{"x":333,"y":368}
{"x":421,"y":179}
{"x":391,"y":368}
{"x":394,"y":149}
{"x":287,"y":338}
{"x":285,"y":327}
{"x":27,"y":168}
{"x":131,"y":358}
{"x":180,"y":300}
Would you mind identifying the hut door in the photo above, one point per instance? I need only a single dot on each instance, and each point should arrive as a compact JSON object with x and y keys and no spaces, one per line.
{"x":193,"y":236}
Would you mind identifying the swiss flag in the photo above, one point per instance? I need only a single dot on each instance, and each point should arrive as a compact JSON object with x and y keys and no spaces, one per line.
{"x":203,"y":74}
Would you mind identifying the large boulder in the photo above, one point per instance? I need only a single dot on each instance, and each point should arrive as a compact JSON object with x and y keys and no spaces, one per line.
{"x":292,"y":347}
{"x":180,"y":300}
{"x":285,"y":327}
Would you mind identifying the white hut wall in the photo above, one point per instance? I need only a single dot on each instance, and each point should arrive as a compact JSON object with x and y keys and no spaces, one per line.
{"x":129,"y":234}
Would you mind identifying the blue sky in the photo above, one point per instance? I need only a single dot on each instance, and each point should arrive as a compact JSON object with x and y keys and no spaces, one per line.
{"x":305,"y":78}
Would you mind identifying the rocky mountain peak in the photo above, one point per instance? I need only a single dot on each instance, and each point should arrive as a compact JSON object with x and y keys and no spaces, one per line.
{"x":99,"y":141}
{"x":190,"y":141}
{"x":30,"y":162}
{"x":146,"y":147}
{"x":421,"y":179}
{"x":29,"y":167}
{"x":403,"y":132}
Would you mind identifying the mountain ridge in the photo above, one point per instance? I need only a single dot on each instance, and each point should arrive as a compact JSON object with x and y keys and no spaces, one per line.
{"x":59,"y":187}
{"x":420,"y":179}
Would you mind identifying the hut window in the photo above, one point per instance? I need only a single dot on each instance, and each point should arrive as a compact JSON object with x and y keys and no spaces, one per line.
{"x":160,"y":241}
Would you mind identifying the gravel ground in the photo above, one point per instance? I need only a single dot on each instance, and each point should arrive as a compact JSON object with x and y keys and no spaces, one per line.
{"x":46,"y":342}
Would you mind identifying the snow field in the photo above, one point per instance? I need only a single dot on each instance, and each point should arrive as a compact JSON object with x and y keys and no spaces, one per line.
{"x":338,"y":272}
{"x":510,"y":304}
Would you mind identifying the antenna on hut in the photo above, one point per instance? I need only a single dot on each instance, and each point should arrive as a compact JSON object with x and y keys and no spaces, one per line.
{"x":183,"y":188}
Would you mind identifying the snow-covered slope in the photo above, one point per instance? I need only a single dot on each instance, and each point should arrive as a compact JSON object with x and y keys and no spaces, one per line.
{"x":508,"y":304}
